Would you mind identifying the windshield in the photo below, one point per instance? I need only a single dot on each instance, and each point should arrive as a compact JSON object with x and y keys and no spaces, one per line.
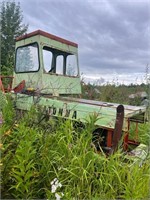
{"x":27,"y":59}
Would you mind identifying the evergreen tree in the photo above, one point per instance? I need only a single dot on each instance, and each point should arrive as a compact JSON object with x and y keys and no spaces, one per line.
{"x":11,"y":27}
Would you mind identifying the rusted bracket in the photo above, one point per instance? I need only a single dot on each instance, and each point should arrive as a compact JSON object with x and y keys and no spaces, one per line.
{"x":118,"y":128}
{"x":20,"y":87}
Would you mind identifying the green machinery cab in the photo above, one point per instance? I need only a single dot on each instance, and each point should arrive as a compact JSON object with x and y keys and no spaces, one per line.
{"x":47,"y":63}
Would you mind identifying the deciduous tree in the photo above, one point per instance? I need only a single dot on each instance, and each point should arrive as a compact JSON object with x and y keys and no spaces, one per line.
{"x":11,"y":27}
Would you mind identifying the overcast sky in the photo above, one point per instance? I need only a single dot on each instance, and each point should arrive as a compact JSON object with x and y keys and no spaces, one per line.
{"x":112,"y":34}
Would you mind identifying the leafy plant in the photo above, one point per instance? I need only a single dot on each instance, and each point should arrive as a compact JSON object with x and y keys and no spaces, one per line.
{"x":11,"y":27}
{"x":49,"y":158}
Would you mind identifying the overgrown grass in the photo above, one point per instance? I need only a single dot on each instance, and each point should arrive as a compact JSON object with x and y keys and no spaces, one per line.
{"x":114,"y":93}
{"x":37,"y":154}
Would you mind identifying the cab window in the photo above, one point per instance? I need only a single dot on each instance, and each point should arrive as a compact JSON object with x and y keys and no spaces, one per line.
{"x":71,"y":65}
{"x":47,"y":60}
{"x":27,"y":58}
{"x":59,"y":62}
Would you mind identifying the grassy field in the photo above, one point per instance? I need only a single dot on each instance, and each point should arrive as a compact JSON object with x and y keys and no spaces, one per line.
{"x":53,"y":159}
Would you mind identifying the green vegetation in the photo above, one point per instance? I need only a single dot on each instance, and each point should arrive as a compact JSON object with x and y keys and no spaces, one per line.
{"x":43,"y":158}
{"x":114,"y":93}
{"x":11,"y":27}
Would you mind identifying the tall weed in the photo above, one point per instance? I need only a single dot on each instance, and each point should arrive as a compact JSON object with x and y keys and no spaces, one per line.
{"x":42,"y":159}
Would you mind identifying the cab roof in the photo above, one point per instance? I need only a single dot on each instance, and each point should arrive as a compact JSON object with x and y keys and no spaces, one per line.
{"x":48,"y":35}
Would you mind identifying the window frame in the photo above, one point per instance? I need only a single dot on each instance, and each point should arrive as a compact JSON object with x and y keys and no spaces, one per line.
{"x":52,"y":50}
{"x":37,"y":54}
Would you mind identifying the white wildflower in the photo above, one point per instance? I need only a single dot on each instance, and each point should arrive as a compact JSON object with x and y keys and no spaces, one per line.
{"x":53,"y":189}
{"x":59,"y":196}
{"x":55,"y":184}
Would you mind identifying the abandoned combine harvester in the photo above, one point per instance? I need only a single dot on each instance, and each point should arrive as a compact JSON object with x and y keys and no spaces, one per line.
{"x":47,"y":74}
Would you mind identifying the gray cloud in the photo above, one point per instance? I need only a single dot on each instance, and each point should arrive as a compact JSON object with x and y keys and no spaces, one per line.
{"x":112,"y":35}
